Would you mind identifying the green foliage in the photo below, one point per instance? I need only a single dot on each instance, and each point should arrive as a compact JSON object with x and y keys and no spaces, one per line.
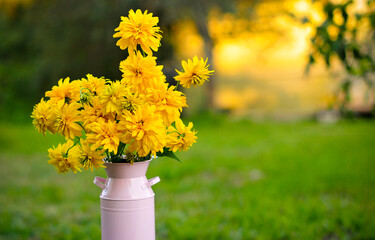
{"x":348,"y":36}
{"x":241,"y":180}
{"x":168,"y":153}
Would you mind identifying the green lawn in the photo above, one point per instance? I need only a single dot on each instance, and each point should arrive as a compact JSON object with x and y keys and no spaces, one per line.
{"x":241,"y":180}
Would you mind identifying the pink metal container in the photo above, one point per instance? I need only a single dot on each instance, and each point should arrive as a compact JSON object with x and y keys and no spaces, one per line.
{"x":127,"y":202}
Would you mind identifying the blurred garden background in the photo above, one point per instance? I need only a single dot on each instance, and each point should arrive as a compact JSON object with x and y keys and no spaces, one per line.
{"x":286,"y":144}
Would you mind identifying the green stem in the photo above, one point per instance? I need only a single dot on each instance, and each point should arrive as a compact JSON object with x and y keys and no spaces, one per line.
{"x":80,"y":124}
{"x":67,"y":151}
{"x":120,"y":150}
{"x":80,"y":91}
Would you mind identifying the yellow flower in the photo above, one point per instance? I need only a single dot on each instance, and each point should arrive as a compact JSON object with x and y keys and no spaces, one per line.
{"x":89,"y":158}
{"x":112,"y":97}
{"x":138,"y":28}
{"x":195,"y":72}
{"x":105,"y":134}
{"x":64,"y":157}
{"x":92,"y":112}
{"x":43,"y":117}
{"x":146,"y":132}
{"x":181,"y":137}
{"x":168,"y":102}
{"x":67,"y":118}
{"x":65,"y":91}
{"x":132,"y":102}
{"x":140,"y":72}
{"x":92,"y":84}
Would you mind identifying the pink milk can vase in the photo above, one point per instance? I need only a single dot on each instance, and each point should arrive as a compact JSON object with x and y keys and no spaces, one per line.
{"x":127,"y":202}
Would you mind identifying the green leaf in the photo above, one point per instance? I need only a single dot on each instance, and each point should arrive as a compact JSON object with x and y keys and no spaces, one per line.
{"x":168,"y":153}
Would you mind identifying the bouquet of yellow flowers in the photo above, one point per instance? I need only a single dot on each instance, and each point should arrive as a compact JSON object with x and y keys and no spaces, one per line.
{"x":127,"y":120}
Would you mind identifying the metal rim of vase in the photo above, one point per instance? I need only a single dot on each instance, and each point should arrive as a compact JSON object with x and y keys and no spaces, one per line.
{"x":152,"y":158}
{"x":128,"y":163}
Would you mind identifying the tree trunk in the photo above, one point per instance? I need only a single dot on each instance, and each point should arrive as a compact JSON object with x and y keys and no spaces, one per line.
{"x":202,"y":25}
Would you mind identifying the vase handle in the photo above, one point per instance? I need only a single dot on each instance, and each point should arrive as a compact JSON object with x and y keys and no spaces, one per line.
{"x":100,"y":182}
{"x":151,"y":182}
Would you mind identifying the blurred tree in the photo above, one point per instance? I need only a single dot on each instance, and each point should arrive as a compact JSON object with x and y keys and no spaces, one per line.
{"x":347,"y":34}
{"x":45,"y":40}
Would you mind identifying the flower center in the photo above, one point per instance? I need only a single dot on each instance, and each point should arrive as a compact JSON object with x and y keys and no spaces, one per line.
{"x":129,"y":105}
{"x":138,"y":73}
{"x":196,"y":78}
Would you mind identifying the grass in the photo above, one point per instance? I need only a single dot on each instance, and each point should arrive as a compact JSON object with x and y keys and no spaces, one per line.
{"x":241,"y":180}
